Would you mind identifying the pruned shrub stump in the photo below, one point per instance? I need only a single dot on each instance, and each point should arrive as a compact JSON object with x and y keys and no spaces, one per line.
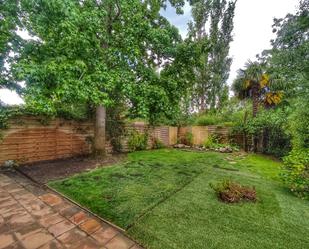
{"x":232,"y":192}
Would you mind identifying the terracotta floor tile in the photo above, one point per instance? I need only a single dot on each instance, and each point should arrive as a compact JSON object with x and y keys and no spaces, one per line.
{"x":70,"y":211}
{"x":51,"y":199}
{"x":6,"y":240}
{"x":54,"y":244}
{"x":88,"y":243}
{"x":104,"y":235}
{"x":11,"y":211}
{"x":119,"y":242}
{"x":20,"y":220}
{"x":15,"y":246}
{"x":50,"y":220}
{"x":7,"y":202}
{"x":90,"y":226}
{"x":27,"y":230}
{"x":136,"y":247}
{"x":72,"y":237}
{"x":36,"y":240}
{"x":61,"y":228}
{"x":79,"y":217}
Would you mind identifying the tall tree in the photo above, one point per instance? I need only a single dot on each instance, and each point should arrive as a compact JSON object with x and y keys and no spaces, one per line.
{"x":9,"y":41}
{"x":88,"y":51}
{"x":289,"y":58}
{"x":212,"y":28}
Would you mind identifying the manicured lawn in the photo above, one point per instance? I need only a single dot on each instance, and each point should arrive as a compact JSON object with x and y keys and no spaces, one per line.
{"x":164,"y":200}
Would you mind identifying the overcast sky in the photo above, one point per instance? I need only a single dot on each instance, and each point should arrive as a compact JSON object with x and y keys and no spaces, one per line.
{"x":252,"y":31}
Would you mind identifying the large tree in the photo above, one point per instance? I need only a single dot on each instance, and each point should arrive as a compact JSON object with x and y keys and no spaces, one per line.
{"x":9,"y":42}
{"x":289,"y":58}
{"x":101,"y":53}
{"x":211,"y":29}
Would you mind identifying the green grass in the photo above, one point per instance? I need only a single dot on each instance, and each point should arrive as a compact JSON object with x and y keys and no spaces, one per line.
{"x":164,"y":199}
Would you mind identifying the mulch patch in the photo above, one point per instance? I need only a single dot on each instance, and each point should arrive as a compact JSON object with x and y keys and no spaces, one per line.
{"x":43,"y":172}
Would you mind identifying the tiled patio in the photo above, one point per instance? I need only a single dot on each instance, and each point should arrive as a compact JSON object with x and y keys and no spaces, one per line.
{"x":31,"y":218}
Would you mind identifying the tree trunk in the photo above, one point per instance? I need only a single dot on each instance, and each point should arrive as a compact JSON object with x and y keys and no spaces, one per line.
{"x":245,"y":139}
{"x":255,"y":100}
{"x":255,"y":106}
{"x":202,"y":107}
{"x":99,"y":137}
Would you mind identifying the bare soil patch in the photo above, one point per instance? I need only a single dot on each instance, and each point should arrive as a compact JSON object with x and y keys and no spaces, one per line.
{"x":43,"y":172}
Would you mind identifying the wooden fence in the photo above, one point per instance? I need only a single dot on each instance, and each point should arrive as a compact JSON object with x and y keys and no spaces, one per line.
{"x":165,"y":134}
{"x":29,"y":139}
{"x":202,"y":133}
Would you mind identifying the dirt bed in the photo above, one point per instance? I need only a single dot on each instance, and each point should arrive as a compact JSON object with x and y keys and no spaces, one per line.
{"x":44,"y":172}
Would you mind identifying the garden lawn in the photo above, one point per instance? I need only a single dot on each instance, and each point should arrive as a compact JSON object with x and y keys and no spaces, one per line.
{"x":164,"y":200}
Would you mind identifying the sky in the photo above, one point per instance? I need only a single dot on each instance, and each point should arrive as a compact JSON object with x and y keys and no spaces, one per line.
{"x":252,"y":27}
{"x":252,"y":32}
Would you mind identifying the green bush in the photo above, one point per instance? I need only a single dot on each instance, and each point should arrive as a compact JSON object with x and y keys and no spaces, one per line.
{"x":298,"y":123}
{"x":212,"y":142}
{"x":158,"y":144}
{"x":296,"y":172}
{"x":269,"y":126}
{"x":137,"y":140}
{"x":208,"y":119}
{"x":187,"y":139}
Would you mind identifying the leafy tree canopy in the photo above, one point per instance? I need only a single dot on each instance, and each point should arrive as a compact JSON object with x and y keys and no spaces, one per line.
{"x":94,"y":52}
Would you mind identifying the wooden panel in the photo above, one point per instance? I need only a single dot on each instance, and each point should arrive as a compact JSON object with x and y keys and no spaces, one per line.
{"x":28,"y":140}
{"x":200,"y":134}
{"x":173,"y":135}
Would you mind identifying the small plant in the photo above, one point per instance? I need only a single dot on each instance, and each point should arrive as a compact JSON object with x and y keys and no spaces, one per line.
{"x":10,"y":164}
{"x":212,"y":142}
{"x":296,"y":172}
{"x":187,"y":139}
{"x":158,"y":144}
{"x":137,"y":140}
{"x":232,"y":192}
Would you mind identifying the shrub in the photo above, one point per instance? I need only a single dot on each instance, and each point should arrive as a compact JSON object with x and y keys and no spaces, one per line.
{"x":187,"y":139}
{"x":296,"y":172}
{"x":270,"y":127}
{"x":232,"y":192}
{"x":157,"y":144}
{"x":212,"y":142}
{"x":208,"y":119}
{"x":298,"y":123}
{"x":137,"y":140}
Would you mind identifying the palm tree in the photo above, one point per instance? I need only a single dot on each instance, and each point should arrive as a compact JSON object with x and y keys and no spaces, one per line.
{"x":251,"y":83}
